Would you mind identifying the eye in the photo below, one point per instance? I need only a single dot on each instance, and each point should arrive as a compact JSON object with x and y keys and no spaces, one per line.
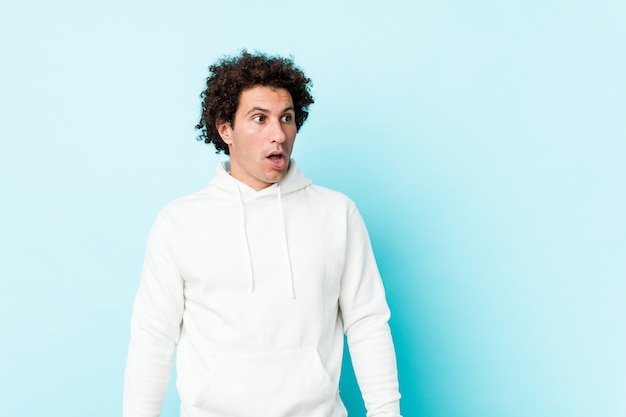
{"x":287,"y":118}
{"x":259,"y":118}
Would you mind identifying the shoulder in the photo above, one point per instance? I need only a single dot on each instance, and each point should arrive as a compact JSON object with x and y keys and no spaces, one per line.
{"x":186,"y":206}
{"x":329,"y":196}
{"x":330,"y":201}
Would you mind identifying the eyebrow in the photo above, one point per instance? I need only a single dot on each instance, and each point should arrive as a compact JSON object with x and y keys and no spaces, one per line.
{"x":261,"y":109}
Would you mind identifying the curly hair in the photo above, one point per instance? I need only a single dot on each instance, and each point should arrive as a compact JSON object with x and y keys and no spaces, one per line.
{"x":230,"y":76}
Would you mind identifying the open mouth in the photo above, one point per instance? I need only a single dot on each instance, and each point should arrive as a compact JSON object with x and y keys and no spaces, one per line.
{"x":278,"y":160}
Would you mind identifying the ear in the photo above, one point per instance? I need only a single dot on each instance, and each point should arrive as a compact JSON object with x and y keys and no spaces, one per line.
{"x":225,"y":130}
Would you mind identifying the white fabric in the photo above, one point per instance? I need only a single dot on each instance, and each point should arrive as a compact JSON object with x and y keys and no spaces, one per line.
{"x":257,"y":288}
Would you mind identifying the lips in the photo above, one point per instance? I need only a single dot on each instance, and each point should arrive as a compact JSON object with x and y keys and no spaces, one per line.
{"x":278,"y":160}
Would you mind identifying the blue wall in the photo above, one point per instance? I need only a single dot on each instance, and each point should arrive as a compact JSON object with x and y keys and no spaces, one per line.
{"x":484,"y":142}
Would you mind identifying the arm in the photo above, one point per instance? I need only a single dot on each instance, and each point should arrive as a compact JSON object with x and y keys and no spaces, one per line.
{"x":155,"y":328}
{"x":365,"y":315}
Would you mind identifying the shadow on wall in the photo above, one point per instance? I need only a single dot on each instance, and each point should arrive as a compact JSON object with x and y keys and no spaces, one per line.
{"x":393,"y":230}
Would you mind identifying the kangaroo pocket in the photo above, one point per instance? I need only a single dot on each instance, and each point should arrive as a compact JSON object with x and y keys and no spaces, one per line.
{"x":277,"y":383}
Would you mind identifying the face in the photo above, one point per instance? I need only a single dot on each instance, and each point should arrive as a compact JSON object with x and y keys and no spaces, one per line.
{"x":261,"y":138}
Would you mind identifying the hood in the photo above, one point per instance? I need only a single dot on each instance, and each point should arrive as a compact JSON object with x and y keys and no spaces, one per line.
{"x":292,"y":182}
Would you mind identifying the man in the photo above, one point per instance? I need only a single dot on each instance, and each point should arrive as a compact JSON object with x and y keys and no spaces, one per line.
{"x":257,"y":277}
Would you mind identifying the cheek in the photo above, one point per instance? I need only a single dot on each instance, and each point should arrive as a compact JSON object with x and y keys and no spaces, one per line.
{"x":292,"y":135}
{"x":292,"y":141}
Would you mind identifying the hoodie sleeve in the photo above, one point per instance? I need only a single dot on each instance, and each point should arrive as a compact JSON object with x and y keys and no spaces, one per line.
{"x":365,"y":315}
{"x":155,"y":327}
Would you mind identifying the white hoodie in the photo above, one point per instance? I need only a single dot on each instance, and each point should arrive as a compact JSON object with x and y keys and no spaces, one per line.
{"x":257,"y":288}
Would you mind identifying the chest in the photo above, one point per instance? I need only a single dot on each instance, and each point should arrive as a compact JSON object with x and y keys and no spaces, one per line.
{"x":224,"y":250}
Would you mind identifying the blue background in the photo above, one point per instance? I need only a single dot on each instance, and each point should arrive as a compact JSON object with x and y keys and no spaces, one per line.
{"x":484,"y":142}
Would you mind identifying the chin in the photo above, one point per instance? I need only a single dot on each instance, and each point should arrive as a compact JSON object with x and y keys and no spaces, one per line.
{"x":276,"y":177}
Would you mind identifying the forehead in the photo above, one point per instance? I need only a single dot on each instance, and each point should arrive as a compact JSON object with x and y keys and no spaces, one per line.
{"x":265,"y":97}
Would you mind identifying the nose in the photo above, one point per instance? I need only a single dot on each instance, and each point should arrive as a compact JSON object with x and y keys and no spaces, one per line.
{"x":277,"y":131}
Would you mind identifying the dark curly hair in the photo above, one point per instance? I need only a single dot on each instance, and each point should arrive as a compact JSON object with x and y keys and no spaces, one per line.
{"x":230,"y":76}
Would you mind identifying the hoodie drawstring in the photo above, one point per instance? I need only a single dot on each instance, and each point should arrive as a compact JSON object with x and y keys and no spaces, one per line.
{"x":287,"y":257}
{"x":247,"y":243}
